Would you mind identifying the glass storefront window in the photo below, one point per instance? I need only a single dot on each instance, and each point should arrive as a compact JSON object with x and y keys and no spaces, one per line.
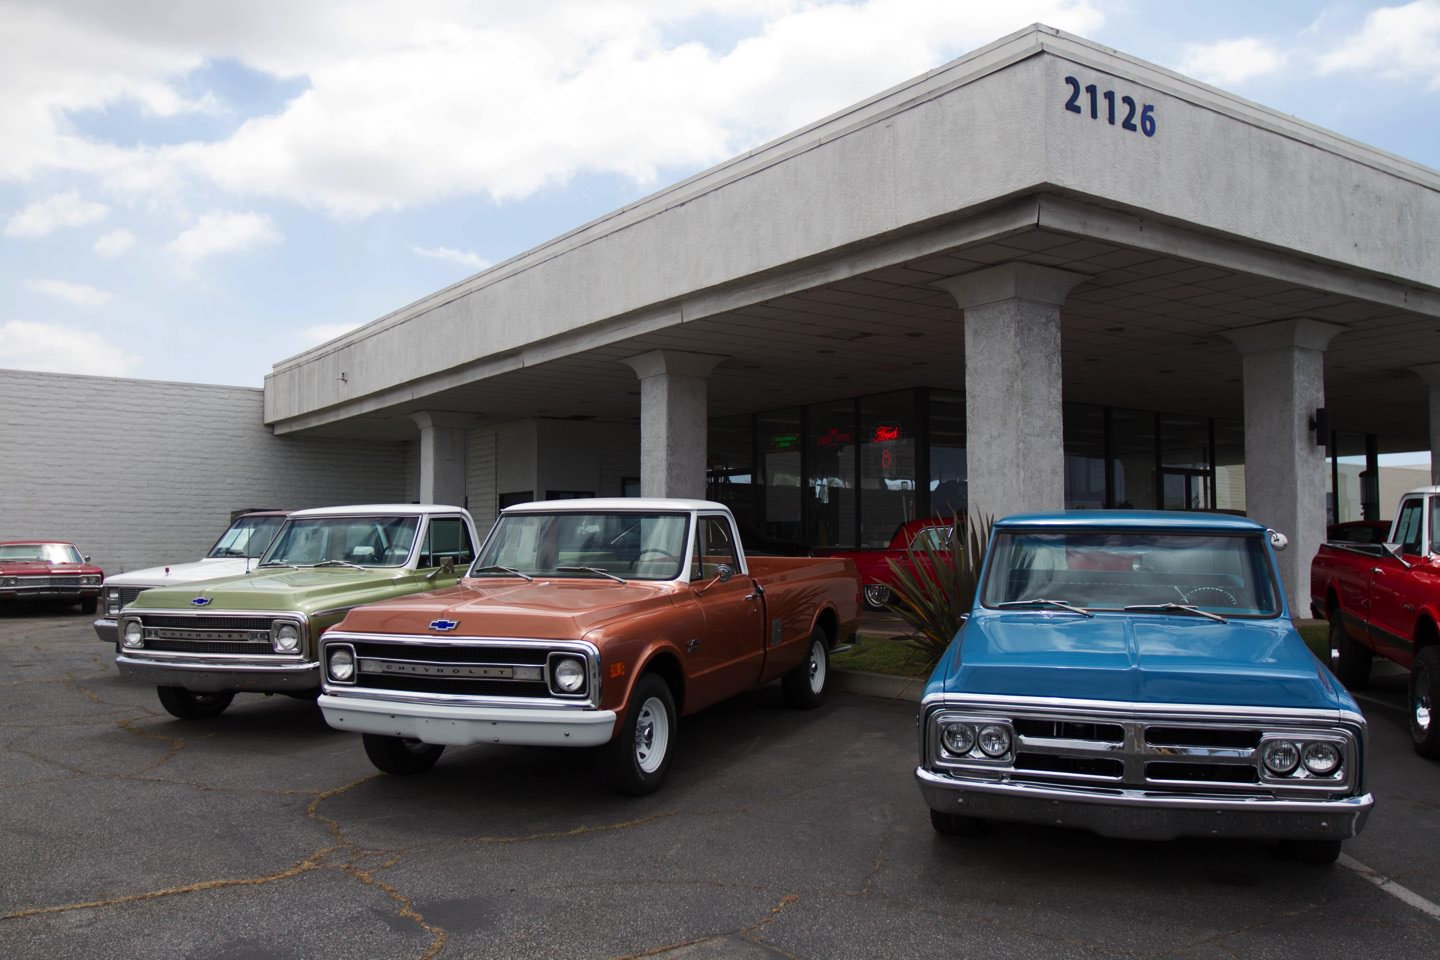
{"x":730,"y":465}
{"x":1230,"y":466}
{"x":887,"y":466}
{"x":1132,"y":457}
{"x":1084,"y":457}
{"x":832,"y":444}
{"x":949,"y":477}
{"x":779,"y":435}
{"x":1185,"y":462}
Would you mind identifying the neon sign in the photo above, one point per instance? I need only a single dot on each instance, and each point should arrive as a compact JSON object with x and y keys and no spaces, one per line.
{"x":885,"y":433}
{"x":834,"y":437}
{"x":785,"y":441}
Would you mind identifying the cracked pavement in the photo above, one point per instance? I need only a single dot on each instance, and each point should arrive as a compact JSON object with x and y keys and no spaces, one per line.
{"x":264,"y":834}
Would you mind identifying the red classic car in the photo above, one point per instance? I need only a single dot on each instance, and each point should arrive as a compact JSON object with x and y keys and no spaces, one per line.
{"x":873,"y":564}
{"x":48,"y":570}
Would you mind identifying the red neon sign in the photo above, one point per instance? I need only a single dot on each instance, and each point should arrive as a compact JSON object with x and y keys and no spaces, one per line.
{"x":886,"y":433}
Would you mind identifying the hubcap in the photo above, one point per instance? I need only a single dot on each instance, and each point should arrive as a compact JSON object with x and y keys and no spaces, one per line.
{"x":1422,"y":703}
{"x":817,"y":667}
{"x":877,"y":594}
{"x":652,"y":735}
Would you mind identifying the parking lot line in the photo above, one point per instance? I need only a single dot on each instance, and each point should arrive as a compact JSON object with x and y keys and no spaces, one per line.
{"x":1395,"y":890}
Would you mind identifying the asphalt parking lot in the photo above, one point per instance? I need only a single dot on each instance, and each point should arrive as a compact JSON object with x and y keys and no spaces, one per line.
{"x":264,"y":834}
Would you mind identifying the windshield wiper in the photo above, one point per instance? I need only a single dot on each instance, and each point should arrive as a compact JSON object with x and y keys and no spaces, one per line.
{"x":337,"y":563}
{"x":1176,"y":608}
{"x":603,"y":573}
{"x":1043,"y":602}
{"x":280,"y":563}
{"x":497,"y":568}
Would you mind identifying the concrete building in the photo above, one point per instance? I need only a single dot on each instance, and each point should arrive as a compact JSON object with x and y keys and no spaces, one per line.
{"x":1046,"y":274}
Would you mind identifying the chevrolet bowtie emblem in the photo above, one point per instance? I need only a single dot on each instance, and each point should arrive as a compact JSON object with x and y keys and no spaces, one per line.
{"x":200,"y":602}
{"x":444,"y":624}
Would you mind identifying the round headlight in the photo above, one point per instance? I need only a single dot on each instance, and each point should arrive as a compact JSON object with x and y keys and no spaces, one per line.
{"x":569,"y":675}
{"x":959,"y":738}
{"x":1281,"y":757}
{"x":134,"y":633}
{"x":994,"y":740}
{"x":1321,"y":758}
{"x":286,"y":637}
{"x":342,"y":664}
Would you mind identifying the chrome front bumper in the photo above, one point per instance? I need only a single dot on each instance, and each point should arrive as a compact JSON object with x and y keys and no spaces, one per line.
{"x":210,"y":676}
{"x":460,"y":725}
{"x":106,"y":630}
{"x":1145,"y":815}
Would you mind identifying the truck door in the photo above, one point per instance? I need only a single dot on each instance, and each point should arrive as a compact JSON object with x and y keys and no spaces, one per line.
{"x":729,"y":655}
{"x":1392,"y":608}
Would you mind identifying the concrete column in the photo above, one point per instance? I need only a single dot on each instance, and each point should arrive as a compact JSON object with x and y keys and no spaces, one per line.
{"x":1284,"y":383}
{"x":1013,"y":423}
{"x":674,"y":421}
{"x":1430,"y":373}
{"x":442,"y":456}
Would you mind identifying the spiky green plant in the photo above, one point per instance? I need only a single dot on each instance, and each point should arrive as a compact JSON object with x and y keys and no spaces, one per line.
{"x":933,"y":593}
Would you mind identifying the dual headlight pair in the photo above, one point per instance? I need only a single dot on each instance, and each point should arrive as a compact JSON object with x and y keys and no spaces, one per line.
{"x":1298,"y":758}
{"x":563,"y":673}
{"x":977,"y":741}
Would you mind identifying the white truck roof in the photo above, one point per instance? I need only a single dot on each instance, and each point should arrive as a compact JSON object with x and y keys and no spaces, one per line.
{"x":616,"y":504}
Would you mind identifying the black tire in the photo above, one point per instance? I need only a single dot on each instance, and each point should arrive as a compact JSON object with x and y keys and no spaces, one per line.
{"x":400,"y":756}
{"x":1349,"y":659}
{"x":194,"y":704}
{"x":89,"y":605}
{"x":637,"y":760}
{"x":1311,"y":851}
{"x":805,"y":685}
{"x":1424,"y":701}
{"x":955,"y":825}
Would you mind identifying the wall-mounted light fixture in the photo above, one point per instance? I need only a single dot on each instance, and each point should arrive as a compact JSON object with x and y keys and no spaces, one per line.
{"x":1320,"y":423}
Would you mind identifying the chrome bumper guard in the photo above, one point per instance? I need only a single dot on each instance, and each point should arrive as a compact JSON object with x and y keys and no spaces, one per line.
{"x":459,"y":725}
{"x":1145,"y":815}
{"x":210,"y":676}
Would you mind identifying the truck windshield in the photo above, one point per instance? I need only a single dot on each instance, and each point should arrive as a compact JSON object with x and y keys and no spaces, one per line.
{"x":44,"y":552}
{"x":247,"y":537}
{"x":1223,"y":574}
{"x":632,"y":546}
{"x":379,"y":541}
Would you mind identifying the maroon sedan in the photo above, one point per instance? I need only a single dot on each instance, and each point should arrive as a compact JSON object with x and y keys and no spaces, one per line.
{"x":48,"y":570}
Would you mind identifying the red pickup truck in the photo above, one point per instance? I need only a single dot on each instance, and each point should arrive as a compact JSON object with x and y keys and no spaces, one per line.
{"x":873,"y":564}
{"x":1384,"y":598}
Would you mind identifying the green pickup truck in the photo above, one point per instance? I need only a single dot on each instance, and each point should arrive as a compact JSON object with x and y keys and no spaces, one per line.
{"x":201,"y":643}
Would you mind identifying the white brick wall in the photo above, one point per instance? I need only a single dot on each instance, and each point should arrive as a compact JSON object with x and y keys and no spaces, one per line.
{"x":139,"y":473}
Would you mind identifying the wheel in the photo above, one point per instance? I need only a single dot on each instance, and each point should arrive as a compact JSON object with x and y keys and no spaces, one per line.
{"x":1424,"y":688}
{"x":955,"y":825}
{"x":400,"y":756}
{"x":1348,"y":659}
{"x":88,"y":605}
{"x":193,"y":704}
{"x":804,"y":686}
{"x":637,"y":760}
{"x":877,"y":595}
{"x":1310,"y":851}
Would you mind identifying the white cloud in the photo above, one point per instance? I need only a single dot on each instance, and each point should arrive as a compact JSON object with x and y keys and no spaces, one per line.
{"x":114,"y":243}
{"x":407,"y":106}
{"x":1231,"y":61}
{"x":463,"y":257}
{"x":25,"y":345}
{"x":46,"y":216}
{"x":84,"y":295}
{"x":1396,"y":42}
{"x":221,"y":232}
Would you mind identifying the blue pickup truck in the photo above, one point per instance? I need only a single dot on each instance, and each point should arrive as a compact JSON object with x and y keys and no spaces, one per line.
{"x":1138,"y":675}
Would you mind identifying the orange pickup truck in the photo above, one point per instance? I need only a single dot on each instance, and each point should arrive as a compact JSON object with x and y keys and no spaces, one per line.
{"x":587,"y":623}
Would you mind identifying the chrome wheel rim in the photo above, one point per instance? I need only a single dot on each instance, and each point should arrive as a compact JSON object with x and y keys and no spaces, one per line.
{"x":652,"y":735}
{"x":1420,"y":709}
{"x":877,"y":594}
{"x":817,"y":667}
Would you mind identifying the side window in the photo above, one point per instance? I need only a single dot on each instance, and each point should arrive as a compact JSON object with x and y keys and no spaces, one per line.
{"x":447,"y":537}
{"x":1434,"y":526}
{"x":1407,"y":525}
{"x":714,"y":545}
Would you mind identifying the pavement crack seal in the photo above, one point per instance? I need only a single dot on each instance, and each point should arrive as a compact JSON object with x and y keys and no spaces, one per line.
{"x":874,"y":871}
{"x":438,"y":936}
{"x":175,"y":744}
{"x":775,"y":911}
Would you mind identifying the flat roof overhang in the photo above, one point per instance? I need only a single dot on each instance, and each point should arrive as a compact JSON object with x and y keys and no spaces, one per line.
{"x":809,"y":264}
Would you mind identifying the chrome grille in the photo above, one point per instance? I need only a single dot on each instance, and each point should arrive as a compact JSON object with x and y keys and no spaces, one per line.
{"x":128,"y":594}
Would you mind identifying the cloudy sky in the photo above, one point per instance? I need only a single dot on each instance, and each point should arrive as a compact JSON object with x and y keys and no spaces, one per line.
{"x":195,"y":190}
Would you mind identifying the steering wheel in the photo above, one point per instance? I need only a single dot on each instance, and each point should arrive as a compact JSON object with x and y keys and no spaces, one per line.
{"x":664,"y":554}
{"x":1229,"y":597}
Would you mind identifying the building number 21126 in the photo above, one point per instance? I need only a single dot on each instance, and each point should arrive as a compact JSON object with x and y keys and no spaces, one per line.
{"x":1125,"y":114}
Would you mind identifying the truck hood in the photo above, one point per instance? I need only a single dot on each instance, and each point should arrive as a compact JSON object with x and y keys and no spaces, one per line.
{"x":1142,"y":659}
{"x":24,"y":568}
{"x":550,"y":609}
{"x":209,"y":568}
{"x":303,"y":591}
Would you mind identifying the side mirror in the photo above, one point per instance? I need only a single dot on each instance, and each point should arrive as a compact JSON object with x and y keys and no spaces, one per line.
{"x":1396,"y":551}
{"x":87,"y":558}
{"x":723,"y":573}
{"x":446,"y":569}
{"x":1278,"y":540}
